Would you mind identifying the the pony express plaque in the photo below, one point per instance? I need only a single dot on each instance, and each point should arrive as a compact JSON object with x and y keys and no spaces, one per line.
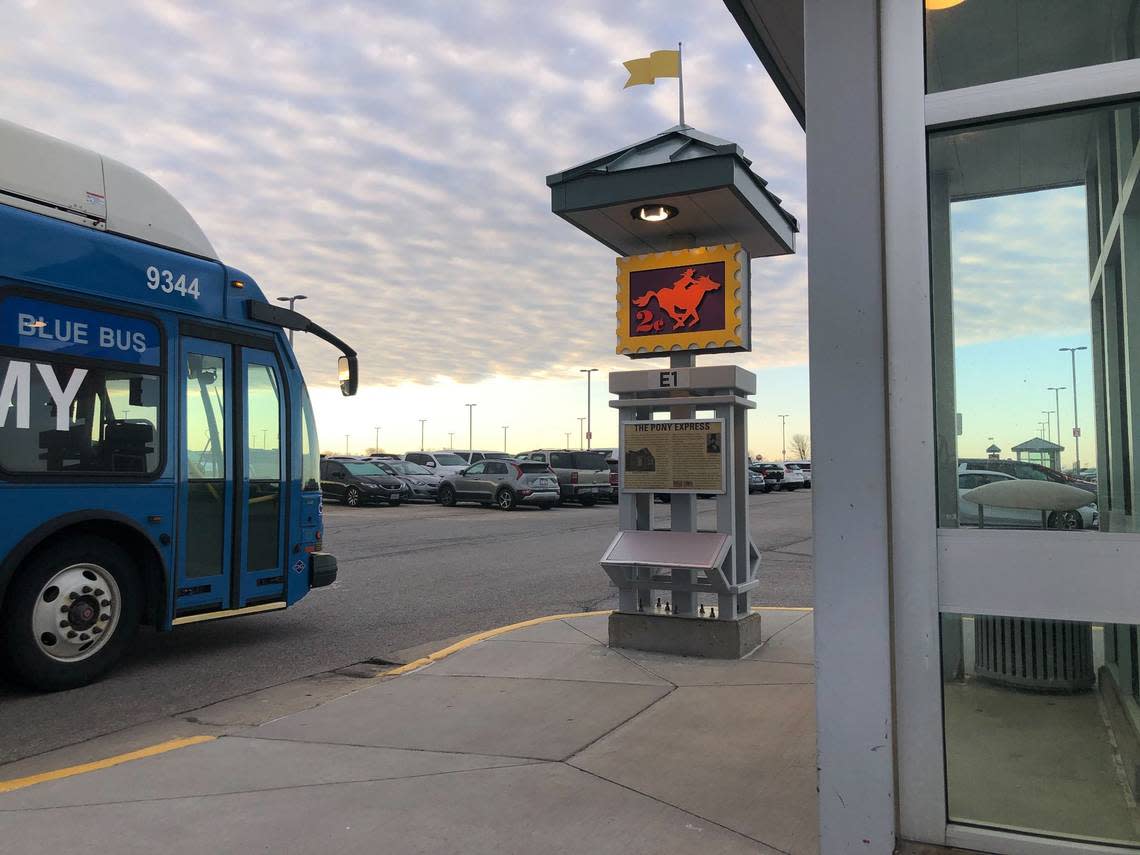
{"x":692,"y":300}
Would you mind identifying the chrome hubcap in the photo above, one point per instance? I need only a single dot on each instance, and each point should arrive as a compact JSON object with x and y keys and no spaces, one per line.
{"x":76,"y":612}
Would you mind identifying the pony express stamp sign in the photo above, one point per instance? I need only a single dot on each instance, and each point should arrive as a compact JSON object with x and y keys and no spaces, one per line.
{"x":692,"y":300}
{"x":677,"y":456}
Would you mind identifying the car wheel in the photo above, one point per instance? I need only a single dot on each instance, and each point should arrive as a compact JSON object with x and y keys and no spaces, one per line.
{"x":587,"y":501}
{"x":506,"y":499}
{"x":352,"y":497}
{"x":70,"y":614}
{"x":395,"y":503}
{"x":545,"y":506}
{"x":447,"y":496}
{"x":1066,"y":520}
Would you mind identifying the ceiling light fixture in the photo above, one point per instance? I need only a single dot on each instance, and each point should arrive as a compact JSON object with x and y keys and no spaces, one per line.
{"x":654,"y":213}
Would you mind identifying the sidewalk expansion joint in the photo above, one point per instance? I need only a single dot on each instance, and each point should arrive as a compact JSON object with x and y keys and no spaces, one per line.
{"x":617,"y":726}
{"x":403,"y":748}
{"x":661,"y":801}
{"x":312,"y":785}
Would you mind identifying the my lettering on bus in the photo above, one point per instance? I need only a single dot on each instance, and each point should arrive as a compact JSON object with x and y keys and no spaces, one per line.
{"x":15,"y":392}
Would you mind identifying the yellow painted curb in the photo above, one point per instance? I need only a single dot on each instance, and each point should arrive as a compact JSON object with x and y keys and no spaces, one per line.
{"x":106,"y":763}
{"x":491,"y":633}
{"x":481,"y":636}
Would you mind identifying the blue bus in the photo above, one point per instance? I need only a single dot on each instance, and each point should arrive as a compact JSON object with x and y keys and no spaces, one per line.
{"x":158,"y":453}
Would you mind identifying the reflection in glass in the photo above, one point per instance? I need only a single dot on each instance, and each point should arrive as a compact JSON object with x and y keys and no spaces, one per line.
{"x":1039,"y":734}
{"x":984,"y":41}
{"x":205,"y":465}
{"x":1031,"y":361}
{"x":263,"y":417}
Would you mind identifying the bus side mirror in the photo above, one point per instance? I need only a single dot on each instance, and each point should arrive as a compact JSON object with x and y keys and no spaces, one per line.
{"x":347,"y":369}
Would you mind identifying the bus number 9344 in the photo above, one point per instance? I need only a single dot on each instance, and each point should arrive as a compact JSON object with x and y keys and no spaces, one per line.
{"x":163,"y":280}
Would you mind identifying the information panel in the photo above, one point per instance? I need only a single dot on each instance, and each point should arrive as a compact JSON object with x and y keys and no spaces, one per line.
{"x":45,"y":325}
{"x":677,"y":456}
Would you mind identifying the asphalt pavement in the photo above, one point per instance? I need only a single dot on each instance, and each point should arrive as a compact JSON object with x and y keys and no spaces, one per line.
{"x":410,"y":577}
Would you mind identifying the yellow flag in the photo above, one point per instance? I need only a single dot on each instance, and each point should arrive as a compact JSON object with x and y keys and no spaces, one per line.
{"x":646,"y":69}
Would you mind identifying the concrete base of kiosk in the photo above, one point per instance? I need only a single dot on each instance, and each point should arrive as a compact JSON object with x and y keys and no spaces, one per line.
{"x":684,"y":636}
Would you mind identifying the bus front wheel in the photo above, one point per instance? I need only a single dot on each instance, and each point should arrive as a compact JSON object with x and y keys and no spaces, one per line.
{"x":69,"y":614}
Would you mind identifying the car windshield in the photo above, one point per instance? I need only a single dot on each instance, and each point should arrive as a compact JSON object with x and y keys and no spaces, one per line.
{"x":362,"y":468}
{"x":589,"y":460}
{"x":449,"y":459}
{"x":405,"y":467}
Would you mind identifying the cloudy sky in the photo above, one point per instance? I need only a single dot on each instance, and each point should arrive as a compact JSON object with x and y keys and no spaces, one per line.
{"x":388,"y":159}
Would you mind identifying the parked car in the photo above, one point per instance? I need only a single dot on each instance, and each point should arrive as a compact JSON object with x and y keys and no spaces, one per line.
{"x":442,"y":463}
{"x":773,"y":474}
{"x":476,"y":456}
{"x":999,"y":517}
{"x":611,"y":456}
{"x":792,"y":478}
{"x":505,"y":483}
{"x":757,"y":482}
{"x":421,"y":481}
{"x":1024,"y":470}
{"x":805,"y":467}
{"x":380,"y":455}
{"x":357,"y":482}
{"x":583,"y":476}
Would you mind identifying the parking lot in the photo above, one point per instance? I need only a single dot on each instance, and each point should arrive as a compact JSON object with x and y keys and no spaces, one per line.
{"x":410,"y":576}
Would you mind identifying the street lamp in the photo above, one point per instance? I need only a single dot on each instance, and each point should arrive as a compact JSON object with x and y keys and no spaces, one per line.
{"x":589,"y":425}
{"x":505,"y":438}
{"x":567,"y":439}
{"x":581,"y":421}
{"x":376,"y":447}
{"x":451,"y":440}
{"x":346,"y":436}
{"x":471,"y":429}
{"x":783,"y":441}
{"x":291,"y":300}
{"x":1076,"y":426}
{"x":1056,"y":390}
{"x":1048,"y":414}
{"x":422,"y":423}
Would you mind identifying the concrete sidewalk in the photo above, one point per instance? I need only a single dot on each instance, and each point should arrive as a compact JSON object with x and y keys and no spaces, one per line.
{"x":539,"y":740}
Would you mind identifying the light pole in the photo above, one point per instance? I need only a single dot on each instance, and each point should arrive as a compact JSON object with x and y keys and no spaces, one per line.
{"x":291,"y":300}
{"x":505,"y":438}
{"x":264,"y":431}
{"x":471,"y":428}
{"x":783,"y":441}
{"x":1048,"y":414}
{"x":568,"y":439}
{"x":589,"y":425}
{"x":422,"y":423}
{"x":1056,"y":390}
{"x":346,"y":436}
{"x":1076,"y":425}
{"x":451,"y":440}
{"x":376,"y":447}
{"x":581,"y":442}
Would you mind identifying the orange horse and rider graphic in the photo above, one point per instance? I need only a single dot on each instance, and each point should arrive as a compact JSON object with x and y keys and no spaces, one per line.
{"x":682,"y":301}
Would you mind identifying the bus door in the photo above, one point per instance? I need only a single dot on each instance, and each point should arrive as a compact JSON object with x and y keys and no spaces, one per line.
{"x":206,"y":482}
{"x":262,"y":497}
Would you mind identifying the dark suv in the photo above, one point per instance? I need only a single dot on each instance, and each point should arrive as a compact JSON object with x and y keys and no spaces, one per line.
{"x":356,"y":482}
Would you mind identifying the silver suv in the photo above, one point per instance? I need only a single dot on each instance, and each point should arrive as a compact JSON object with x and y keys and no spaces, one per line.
{"x":505,"y":483}
{"x":583,"y":476}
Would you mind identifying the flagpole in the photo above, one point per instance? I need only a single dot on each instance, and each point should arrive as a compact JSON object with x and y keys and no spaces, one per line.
{"x":680,"y":84}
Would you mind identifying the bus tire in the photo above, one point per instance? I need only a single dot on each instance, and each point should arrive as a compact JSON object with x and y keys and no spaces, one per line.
{"x":69,"y":614}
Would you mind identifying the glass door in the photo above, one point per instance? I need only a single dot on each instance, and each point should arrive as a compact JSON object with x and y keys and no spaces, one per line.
{"x":206,"y":479}
{"x":262,"y":576}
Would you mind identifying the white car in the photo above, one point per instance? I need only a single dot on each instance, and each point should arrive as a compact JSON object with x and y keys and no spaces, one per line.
{"x":442,"y":463}
{"x":793,"y":476}
{"x":998,"y":517}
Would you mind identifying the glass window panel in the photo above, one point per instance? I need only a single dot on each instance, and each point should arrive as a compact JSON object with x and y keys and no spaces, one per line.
{"x":205,"y":417}
{"x":205,"y":465}
{"x":263,"y":544}
{"x":310,"y":454}
{"x":971,"y":42}
{"x":1030,"y":295}
{"x":1041,"y":726}
{"x":81,"y":420}
{"x":263,"y":415}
